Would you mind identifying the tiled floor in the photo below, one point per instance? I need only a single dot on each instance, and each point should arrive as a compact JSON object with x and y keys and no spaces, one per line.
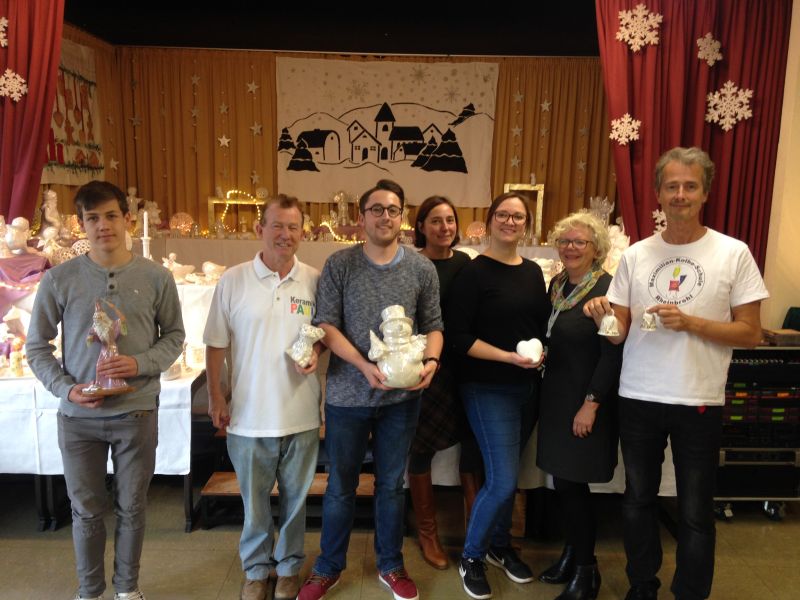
{"x":756,"y":558}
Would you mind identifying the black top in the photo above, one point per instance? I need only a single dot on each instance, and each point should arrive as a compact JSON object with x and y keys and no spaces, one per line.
{"x":447,"y":269}
{"x":502,"y":305}
{"x":579,"y":362}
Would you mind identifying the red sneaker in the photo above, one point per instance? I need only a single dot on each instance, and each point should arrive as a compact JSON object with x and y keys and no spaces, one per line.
{"x":317,"y":586}
{"x":400,"y":583}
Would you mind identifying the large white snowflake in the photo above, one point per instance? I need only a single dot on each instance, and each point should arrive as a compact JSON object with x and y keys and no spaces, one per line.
{"x":638,"y":27}
{"x":709,"y":49}
{"x":12,"y":85}
{"x":625,"y":129}
{"x":3,"y":38}
{"x":729,"y":105}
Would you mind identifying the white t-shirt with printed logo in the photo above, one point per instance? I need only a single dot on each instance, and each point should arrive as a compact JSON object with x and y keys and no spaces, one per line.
{"x":704,"y":278}
{"x":259,"y":316}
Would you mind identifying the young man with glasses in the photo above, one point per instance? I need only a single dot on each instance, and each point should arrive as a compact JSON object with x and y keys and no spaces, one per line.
{"x":356,"y":285}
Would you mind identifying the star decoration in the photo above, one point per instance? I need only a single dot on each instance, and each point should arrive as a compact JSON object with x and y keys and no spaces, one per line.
{"x":518,"y":96}
{"x":223,"y":109}
{"x":256,"y":128}
{"x":224,"y":141}
{"x":514,"y":162}
{"x":252,"y":87}
{"x":546,"y":106}
{"x":195,"y":112}
{"x":584,"y":131}
{"x":113,"y":163}
{"x":195,"y":79}
{"x":110,"y":120}
{"x":254,"y":178}
{"x":516,"y":131}
{"x":581,"y":165}
{"x":135,"y":121}
{"x":543,"y":131}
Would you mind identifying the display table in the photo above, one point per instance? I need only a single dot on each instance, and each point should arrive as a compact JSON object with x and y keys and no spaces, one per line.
{"x":29,"y":443}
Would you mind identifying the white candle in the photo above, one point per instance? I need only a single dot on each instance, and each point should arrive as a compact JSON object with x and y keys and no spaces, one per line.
{"x":146,"y":224}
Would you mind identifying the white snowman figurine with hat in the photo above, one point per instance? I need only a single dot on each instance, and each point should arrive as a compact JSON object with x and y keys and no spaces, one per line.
{"x":399,"y":355}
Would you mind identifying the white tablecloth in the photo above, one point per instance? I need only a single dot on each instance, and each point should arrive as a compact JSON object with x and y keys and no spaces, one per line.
{"x":29,"y":442}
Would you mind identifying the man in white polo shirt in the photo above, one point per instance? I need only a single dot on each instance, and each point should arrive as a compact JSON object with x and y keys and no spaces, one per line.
{"x":273,"y":418}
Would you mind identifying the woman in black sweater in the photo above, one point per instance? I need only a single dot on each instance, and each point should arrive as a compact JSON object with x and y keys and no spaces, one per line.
{"x":498,"y":300}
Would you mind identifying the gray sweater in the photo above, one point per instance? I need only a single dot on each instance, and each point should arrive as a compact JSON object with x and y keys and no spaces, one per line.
{"x":145,"y":293}
{"x":351,"y":294}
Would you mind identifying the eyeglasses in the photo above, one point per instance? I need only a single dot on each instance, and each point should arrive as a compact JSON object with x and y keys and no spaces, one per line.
{"x":502,"y":216}
{"x":564,"y":243}
{"x":377,"y":210}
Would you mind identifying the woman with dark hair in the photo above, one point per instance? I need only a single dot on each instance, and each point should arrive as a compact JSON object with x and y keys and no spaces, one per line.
{"x":498,"y":300}
{"x":441,"y":422}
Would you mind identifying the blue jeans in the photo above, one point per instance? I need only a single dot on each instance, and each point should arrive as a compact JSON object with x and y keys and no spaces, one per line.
{"x":84,"y":444}
{"x":695,"y":437}
{"x":347,"y":431}
{"x":258,"y":462}
{"x":502,"y":416}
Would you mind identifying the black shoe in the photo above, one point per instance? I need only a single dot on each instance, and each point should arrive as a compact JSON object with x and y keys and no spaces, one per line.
{"x":584,"y":584}
{"x":561,"y":571}
{"x":642,"y":592}
{"x":473,"y":578}
{"x":507,"y":559}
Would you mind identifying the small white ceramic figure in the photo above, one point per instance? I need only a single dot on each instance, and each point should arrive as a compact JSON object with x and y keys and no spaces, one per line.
{"x":301,"y":350}
{"x":50,"y":216}
{"x":649,"y":321}
{"x":213,"y":271}
{"x":608,"y":326}
{"x":17,"y":235}
{"x":179,"y":271}
{"x":531,"y":348}
{"x":399,"y":355}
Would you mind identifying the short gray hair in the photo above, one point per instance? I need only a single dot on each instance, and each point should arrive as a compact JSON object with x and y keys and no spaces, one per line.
{"x":583,"y":218}
{"x":686,"y":156}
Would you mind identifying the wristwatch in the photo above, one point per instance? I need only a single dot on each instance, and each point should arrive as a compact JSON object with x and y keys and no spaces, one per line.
{"x":592,"y":398}
{"x":425,"y":361}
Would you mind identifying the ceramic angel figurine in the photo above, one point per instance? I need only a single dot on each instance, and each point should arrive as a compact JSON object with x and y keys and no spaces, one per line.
{"x":608,"y":325}
{"x":301,"y":350}
{"x":179,"y":271}
{"x":50,"y":215}
{"x":399,"y":355}
{"x":106,"y":331}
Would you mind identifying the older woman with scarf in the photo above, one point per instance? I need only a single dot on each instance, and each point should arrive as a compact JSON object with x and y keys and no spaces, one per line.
{"x":577,"y":441}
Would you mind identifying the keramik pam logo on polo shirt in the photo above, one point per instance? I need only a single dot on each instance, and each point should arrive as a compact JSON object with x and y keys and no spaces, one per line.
{"x":300,"y":306}
{"x":676,"y":280}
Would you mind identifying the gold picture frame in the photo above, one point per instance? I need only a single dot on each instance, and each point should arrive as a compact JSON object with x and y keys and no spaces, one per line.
{"x":538,"y":193}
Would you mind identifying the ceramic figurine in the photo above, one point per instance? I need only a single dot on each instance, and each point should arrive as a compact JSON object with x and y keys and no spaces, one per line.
{"x":649,"y":321}
{"x":17,"y":235}
{"x":106,"y":331}
{"x":531,"y":348}
{"x":15,"y":358}
{"x":179,"y":271}
{"x":303,"y":347}
{"x":608,"y":326}
{"x":213,"y":271}
{"x":399,"y":355}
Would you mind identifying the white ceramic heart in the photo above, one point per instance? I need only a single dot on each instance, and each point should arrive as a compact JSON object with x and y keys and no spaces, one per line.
{"x":531,"y":348}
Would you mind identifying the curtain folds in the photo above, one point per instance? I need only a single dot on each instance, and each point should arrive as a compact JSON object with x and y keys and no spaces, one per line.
{"x":34,"y":45}
{"x":666,"y":86}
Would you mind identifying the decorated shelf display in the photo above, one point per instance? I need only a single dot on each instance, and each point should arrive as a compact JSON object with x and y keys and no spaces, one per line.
{"x":179,"y":271}
{"x":301,"y":351}
{"x":399,"y":355}
{"x":106,"y":330}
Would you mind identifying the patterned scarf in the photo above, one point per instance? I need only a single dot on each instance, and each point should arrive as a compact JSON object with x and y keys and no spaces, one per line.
{"x":578,"y":293}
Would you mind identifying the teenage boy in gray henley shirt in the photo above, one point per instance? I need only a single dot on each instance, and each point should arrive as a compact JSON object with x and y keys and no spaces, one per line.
{"x":88,"y":426}
{"x":355,"y":286}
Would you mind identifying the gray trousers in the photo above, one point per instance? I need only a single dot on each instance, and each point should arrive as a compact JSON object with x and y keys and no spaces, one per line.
{"x":84,"y":445}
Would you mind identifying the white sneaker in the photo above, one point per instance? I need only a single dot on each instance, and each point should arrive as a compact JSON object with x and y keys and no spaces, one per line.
{"x":79,"y":597}
{"x":134,"y":595}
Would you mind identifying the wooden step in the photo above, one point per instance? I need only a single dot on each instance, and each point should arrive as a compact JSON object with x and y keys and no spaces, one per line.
{"x":224,"y":483}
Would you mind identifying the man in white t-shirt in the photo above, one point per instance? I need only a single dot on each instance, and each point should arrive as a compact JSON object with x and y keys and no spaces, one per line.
{"x":706,"y":291}
{"x":273,"y":418}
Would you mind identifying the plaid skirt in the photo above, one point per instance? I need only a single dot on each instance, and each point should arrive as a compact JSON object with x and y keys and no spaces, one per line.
{"x":441,"y":417}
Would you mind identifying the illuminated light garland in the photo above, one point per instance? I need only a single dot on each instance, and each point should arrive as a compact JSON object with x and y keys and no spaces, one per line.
{"x":238,"y":194}
{"x":338,"y":237}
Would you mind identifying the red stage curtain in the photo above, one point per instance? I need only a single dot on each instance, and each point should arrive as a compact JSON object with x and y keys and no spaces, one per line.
{"x":665,"y":86}
{"x":33,"y":52}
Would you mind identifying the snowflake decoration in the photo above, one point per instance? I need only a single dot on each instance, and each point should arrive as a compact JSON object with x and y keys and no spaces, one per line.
{"x":729,"y":105}
{"x":638,"y":27}
{"x":357,"y":90}
{"x":709,"y":49}
{"x":451,"y":94}
{"x":12,"y":85}
{"x":625,"y":129}
{"x":418,"y":75}
{"x":3,"y":38}
{"x":660,"y":220}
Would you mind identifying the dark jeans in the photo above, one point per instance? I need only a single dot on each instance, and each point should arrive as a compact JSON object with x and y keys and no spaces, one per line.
{"x":695,"y":435}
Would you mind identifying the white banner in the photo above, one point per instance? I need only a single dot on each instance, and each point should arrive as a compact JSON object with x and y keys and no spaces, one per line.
{"x":342,"y":125}
{"x":74,"y":146}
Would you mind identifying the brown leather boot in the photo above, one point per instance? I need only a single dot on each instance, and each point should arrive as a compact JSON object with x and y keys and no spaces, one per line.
{"x":425,"y":511}
{"x":470,"y":485}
